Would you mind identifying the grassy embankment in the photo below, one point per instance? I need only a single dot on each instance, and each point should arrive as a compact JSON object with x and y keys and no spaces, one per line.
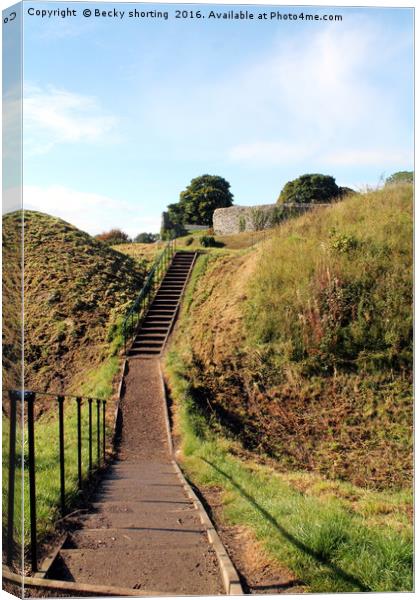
{"x":298,"y":354}
{"x":76,"y":292}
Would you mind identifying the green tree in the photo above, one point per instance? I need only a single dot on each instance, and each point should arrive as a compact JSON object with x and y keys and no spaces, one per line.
{"x":309,"y":188}
{"x":146,"y":238}
{"x":400,"y":177}
{"x":345,"y":191}
{"x":200,"y":199}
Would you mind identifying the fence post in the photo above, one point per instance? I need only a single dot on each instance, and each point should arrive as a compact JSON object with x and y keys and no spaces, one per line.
{"x":98,"y":431}
{"x":13,"y":398}
{"x":103,"y":428}
{"x":60,"y":400}
{"x":79,"y":441}
{"x":90,"y":435}
{"x":30,"y":398}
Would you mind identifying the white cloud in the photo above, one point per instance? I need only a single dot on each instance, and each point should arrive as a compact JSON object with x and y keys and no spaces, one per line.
{"x":90,"y":212}
{"x":269,"y":153}
{"x":367,"y":157}
{"x":295,"y":102}
{"x":12,"y":118}
{"x":53,"y":116}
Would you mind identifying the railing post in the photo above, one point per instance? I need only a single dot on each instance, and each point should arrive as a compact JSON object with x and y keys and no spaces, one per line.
{"x":30,"y":398}
{"x":79,"y":441}
{"x":60,"y":400}
{"x":13,"y":398}
{"x":103,"y":428}
{"x":90,"y":435}
{"x":98,"y":432}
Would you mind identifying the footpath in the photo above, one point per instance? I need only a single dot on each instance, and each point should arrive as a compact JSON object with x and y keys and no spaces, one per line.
{"x":146,"y":531}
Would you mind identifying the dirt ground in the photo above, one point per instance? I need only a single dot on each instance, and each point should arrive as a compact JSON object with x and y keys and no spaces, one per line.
{"x":258,"y":572}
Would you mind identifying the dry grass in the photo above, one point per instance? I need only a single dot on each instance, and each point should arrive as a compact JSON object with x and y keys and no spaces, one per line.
{"x":143,"y":254}
{"x":76,"y":291}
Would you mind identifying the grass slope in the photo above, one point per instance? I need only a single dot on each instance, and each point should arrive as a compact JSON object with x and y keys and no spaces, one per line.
{"x":334,"y":537}
{"x":76,"y":290}
{"x":300,"y":349}
{"x":302,"y":346}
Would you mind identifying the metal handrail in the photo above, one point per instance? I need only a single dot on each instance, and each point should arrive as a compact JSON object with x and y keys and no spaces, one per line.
{"x":138,"y":309}
{"x":29,"y":396}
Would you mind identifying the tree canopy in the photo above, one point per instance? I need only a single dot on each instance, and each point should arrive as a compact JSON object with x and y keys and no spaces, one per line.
{"x":400,"y":177}
{"x":146,"y":238}
{"x":313,"y":187}
{"x":200,"y":199}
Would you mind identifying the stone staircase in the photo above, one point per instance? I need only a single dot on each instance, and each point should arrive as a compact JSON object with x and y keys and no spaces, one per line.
{"x":157,"y":325}
{"x":141,"y":532}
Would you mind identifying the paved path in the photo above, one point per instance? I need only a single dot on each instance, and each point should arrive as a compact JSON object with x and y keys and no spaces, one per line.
{"x":143,"y":531}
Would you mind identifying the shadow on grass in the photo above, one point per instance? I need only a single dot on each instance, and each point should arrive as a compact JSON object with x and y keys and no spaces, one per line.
{"x":291,"y":538}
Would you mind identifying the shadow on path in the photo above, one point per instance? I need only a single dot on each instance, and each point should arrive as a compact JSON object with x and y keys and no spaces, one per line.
{"x":291,"y":538}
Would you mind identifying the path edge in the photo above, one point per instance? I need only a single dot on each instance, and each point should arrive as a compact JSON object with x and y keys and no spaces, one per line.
{"x":230,"y":575}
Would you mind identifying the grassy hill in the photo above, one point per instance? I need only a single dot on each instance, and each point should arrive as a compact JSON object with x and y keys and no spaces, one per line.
{"x":291,"y":375}
{"x":304,"y":345}
{"x":76,"y":289}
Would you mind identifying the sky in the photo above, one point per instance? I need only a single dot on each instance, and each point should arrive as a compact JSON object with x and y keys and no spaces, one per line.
{"x":120,"y":114}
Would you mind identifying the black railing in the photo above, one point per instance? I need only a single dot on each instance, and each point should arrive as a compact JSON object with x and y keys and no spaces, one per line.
{"x":138,"y":309}
{"x":27,"y":402}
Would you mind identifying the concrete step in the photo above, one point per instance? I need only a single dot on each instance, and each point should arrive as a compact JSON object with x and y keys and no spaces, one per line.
{"x":156,"y":321}
{"x":179,"y":571}
{"x":155,"y":326}
{"x":147,"y":351}
{"x":168,"y":294}
{"x":127,"y":507}
{"x":128,"y":538}
{"x":144,"y":337}
{"x":148,"y":344}
{"x":164,"y":304}
{"x":141,"y":519}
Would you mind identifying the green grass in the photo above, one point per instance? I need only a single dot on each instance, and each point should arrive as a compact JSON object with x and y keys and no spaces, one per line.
{"x":326,"y":545}
{"x":98,"y":385}
{"x":237,"y":241}
{"x":48,"y":468}
{"x":99,"y":382}
{"x":334,"y":290}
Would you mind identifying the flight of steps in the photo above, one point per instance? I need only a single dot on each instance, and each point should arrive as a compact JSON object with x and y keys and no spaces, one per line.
{"x":143,"y":533}
{"x":152,"y":335}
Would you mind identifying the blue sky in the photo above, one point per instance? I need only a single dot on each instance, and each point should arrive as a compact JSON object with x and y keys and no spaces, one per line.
{"x":120,"y":114}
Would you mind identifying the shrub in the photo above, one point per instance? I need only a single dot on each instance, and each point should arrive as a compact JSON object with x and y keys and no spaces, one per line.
{"x":207,"y":241}
{"x":400,"y":177}
{"x":189,"y":241}
{"x":114,"y":236}
{"x":260,"y":219}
